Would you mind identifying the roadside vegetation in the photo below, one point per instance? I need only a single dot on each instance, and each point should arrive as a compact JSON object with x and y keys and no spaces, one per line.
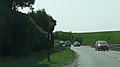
{"x":24,"y":38}
{"x":111,"y":37}
{"x":89,"y":39}
{"x":59,"y":58}
{"x":21,"y":34}
{"x":115,"y":49}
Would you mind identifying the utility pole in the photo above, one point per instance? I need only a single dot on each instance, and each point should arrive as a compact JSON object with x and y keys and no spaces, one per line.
{"x":49,"y":39}
{"x":50,"y":26}
{"x":48,"y":49}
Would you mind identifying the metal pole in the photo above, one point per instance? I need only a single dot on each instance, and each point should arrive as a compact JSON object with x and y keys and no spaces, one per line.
{"x":48,"y":49}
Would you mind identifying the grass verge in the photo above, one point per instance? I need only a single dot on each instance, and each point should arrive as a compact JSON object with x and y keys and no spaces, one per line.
{"x":115,"y":49}
{"x":58,"y":59}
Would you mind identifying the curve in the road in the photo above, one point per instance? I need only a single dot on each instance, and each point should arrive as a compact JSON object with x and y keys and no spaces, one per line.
{"x":88,"y":57}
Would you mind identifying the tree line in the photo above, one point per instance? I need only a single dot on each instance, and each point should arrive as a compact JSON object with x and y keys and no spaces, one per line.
{"x":60,"y":35}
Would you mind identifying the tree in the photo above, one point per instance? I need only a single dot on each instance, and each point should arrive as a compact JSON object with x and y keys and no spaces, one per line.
{"x":14,"y":4}
{"x":80,"y":39}
{"x":19,"y":35}
{"x":44,"y":20}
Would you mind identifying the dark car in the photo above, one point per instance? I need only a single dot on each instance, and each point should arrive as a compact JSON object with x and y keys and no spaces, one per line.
{"x":101,"y":45}
{"x":76,"y":43}
{"x":68,"y":43}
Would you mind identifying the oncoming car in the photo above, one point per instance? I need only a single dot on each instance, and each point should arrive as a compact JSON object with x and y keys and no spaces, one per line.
{"x":76,"y":43}
{"x":61,"y":42}
{"x":101,"y":45}
{"x":68,"y":43}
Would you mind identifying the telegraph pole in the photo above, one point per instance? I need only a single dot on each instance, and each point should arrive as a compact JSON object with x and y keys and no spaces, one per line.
{"x":48,"y":49}
{"x":50,"y":26}
{"x":49,"y":39}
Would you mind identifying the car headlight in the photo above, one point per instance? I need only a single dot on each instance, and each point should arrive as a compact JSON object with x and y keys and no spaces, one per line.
{"x":98,"y":44}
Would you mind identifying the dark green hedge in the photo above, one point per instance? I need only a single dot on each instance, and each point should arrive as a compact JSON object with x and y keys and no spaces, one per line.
{"x":18,"y":34}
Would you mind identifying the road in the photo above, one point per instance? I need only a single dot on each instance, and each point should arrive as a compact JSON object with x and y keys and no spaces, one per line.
{"x":88,"y":57}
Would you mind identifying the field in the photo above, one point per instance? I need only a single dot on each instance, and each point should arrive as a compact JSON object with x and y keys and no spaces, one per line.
{"x":111,"y":37}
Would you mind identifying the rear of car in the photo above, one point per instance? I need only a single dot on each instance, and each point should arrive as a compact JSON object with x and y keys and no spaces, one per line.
{"x":101,"y":45}
{"x":76,"y":43}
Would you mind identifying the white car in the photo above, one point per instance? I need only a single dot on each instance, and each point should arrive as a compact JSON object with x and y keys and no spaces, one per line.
{"x":76,"y":43}
{"x":62,"y":42}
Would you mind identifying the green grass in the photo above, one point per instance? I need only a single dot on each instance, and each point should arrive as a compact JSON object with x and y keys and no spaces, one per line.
{"x":115,"y":49}
{"x":56,"y":42}
{"x":110,"y":37}
{"x":58,"y":59}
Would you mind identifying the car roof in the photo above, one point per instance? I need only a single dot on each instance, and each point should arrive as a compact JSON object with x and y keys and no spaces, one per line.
{"x":76,"y":41}
{"x":101,"y":41}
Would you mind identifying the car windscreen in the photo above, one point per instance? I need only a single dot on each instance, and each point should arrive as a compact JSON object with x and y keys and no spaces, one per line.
{"x":102,"y":42}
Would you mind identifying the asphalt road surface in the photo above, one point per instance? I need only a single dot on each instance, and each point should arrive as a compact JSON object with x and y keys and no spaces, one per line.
{"x":88,"y":57}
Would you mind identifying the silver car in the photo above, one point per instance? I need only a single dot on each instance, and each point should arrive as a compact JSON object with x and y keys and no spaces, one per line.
{"x":61,"y":42}
{"x":76,"y":43}
{"x":68,"y":43}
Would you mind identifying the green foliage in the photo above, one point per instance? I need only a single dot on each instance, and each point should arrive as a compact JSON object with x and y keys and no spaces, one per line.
{"x":59,"y":35}
{"x":40,"y":18}
{"x":19,"y":34}
{"x":89,"y":38}
{"x":39,"y":59}
{"x":60,"y":58}
{"x":110,"y":37}
{"x":14,"y":4}
{"x":43,"y":20}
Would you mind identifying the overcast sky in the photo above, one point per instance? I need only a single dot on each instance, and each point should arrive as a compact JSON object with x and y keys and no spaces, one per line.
{"x":82,"y":15}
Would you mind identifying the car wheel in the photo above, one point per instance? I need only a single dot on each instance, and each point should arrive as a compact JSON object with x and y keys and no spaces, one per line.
{"x":107,"y":49}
